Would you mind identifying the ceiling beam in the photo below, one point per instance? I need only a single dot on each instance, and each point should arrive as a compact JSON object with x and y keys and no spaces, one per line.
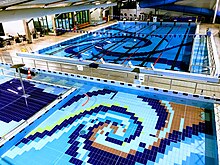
{"x":52,"y":3}
{"x":19,"y":3}
{"x":19,"y":14}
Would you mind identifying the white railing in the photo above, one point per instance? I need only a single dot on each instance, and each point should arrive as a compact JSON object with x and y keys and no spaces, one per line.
{"x":217,"y":126}
{"x":215,"y":56}
{"x":184,"y":83}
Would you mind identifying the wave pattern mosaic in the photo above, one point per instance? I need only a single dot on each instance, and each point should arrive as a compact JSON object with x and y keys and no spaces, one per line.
{"x":167,"y":46}
{"x":119,"y":128}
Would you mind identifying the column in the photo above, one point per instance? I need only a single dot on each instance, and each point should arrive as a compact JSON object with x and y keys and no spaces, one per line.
{"x":101,"y":14}
{"x":89,"y":16}
{"x":27,"y":32}
{"x":216,"y":9}
{"x":111,"y":13}
{"x":53,"y":23}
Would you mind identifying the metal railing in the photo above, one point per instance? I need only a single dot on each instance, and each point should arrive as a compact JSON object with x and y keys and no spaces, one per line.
{"x":212,"y":63}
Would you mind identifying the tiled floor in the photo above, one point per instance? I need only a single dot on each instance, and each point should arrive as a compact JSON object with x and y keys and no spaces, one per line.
{"x":15,"y":109}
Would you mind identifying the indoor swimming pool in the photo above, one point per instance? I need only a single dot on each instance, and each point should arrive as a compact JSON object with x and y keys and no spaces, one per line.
{"x":103,"y":124}
{"x":165,"y":46}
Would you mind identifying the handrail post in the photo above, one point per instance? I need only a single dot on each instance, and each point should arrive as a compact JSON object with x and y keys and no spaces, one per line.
{"x":195,"y":88}
{"x":2,"y":58}
{"x":47,"y":66}
{"x":148,"y":78}
{"x":61,"y":68}
{"x":11,"y":60}
{"x":171,"y":81}
{"x":2,"y":71}
{"x":34,"y":64}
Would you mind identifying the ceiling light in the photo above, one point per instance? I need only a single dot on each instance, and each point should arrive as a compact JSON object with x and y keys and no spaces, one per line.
{"x":108,"y":2}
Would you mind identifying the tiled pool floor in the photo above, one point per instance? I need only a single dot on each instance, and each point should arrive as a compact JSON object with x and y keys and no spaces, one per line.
{"x":119,"y":128}
{"x":15,"y":109}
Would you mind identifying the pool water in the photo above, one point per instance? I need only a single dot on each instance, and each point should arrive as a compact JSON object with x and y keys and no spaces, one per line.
{"x":106,"y":126}
{"x":15,"y":109}
{"x":167,"y":46}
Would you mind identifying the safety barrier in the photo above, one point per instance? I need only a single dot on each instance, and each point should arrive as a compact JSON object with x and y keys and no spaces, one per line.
{"x":183,"y":84}
{"x":142,"y":17}
{"x":213,"y":56}
{"x":217,"y":124}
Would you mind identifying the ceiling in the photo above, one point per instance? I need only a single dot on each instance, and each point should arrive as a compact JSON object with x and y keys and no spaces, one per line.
{"x":25,"y":9}
{"x":22,"y":4}
{"x":209,"y":4}
{"x":11,"y":10}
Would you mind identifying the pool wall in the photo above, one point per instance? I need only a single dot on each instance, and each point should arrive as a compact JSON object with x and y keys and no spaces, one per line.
{"x":30,"y":124}
{"x":118,"y":67}
{"x":136,"y":89}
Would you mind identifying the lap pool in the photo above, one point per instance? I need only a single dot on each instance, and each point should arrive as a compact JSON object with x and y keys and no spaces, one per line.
{"x":166,"y":46}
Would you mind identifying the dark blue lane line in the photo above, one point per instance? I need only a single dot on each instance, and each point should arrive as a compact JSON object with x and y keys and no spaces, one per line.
{"x":101,"y":40}
{"x":121,"y":41}
{"x":133,"y":47}
{"x":114,"y":95}
{"x":6,"y":161}
{"x":90,"y":46}
{"x":82,"y":51}
{"x":179,"y":50}
{"x":155,"y":48}
{"x":131,"y":34}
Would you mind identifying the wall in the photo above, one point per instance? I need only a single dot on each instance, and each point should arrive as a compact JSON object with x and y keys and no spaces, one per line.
{"x":31,"y":26}
{"x":148,"y":10}
{"x":14,"y":27}
{"x":95,"y":15}
{"x":139,"y":10}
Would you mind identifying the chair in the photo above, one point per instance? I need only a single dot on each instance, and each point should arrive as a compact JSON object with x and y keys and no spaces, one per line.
{"x":1,"y":43}
{"x":17,"y":40}
{"x":34,"y":35}
{"x":131,"y":17}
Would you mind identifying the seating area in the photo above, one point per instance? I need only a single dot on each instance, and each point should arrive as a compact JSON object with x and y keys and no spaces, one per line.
{"x":9,"y":40}
{"x":14,"y":107}
{"x":84,"y":25}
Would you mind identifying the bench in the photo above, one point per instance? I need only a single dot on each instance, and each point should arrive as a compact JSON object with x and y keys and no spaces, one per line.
{"x":81,"y":26}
